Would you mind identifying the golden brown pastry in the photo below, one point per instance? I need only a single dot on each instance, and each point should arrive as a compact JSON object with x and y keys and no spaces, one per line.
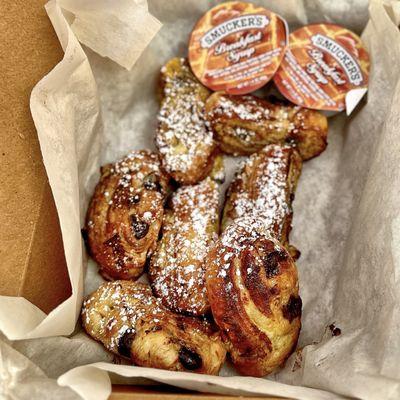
{"x":264,"y":187}
{"x":253,"y":291}
{"x":190,"y":227}
{"x":125,"y":214}
{"x":186,"y":145}
{"x":245,"y":124}
{"x":130,"y":322}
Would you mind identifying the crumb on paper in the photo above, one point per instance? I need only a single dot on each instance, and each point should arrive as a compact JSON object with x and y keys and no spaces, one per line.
{"x":335,"y":330}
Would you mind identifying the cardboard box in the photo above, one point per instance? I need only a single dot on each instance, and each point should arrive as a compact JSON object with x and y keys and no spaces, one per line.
{"x":33,"y":264}
{"x":31,"y":249}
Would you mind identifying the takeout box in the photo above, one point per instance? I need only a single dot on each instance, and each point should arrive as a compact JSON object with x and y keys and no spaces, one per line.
{"x":346,"y":210}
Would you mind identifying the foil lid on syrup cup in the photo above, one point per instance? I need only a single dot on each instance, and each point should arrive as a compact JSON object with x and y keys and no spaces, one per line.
{"x":237,"y":47}
{"x":325,"y":68}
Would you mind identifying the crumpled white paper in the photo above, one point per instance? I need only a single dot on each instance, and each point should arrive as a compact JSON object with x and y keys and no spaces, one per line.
{"x":100,"y":24}
{"x":22,"y":379}
{"x":346,"y":212}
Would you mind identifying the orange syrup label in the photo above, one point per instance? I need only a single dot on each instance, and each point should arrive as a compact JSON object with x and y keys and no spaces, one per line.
{"x":325,"y":68}
{"x":237,"y":47}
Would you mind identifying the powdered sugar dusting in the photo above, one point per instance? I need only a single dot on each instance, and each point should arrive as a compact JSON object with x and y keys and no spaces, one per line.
{"x":238,"y":236}
{"x":177,"y":267}
{"x":262,"y":189}
{"x":250,"y":109}
{"x":182,"y":134}
{"x":125,"y":214}
{"x":115,"y":308}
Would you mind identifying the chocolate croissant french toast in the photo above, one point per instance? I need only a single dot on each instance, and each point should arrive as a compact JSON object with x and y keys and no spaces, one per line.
{"x":252,"y":287}
{"x":185,"y":143}
{"x":265,"y":187}
{"x":126,"y":318}
{"x":244,"y":124}
{"x":125,"y":214}
{"x":190,"y":227}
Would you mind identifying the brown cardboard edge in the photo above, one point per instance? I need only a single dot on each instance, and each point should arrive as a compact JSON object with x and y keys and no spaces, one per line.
{"x":33,"y":264}
{"x":126,"y":392}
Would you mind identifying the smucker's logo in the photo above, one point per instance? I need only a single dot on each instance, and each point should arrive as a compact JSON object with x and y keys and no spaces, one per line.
{"x":213,"y":36}
{"x":341,"y":55}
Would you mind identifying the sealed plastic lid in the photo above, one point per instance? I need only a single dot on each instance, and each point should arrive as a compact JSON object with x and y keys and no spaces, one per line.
{"x":237,"y":47}
{"x":325,"y":68}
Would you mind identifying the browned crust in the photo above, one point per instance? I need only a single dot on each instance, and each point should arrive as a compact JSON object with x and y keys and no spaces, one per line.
{"x":265,"y":186}
{"x":177,"y":268}
{"x":184,"y":141}
{"x":126,"y":318}
{"x":243,"y":125}
{"x":252,"y":284}
{"x":125,"y":214}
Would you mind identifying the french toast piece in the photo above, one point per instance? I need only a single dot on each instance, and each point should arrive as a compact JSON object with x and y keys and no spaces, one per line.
{"x":177,"y":267}
{"x":125,"y":214}
{"x":184,"y":141}
{"x":252,"y":287}
{"x":243,"y":125}
{"x":126,"y":318}
{"x":265,"y":188}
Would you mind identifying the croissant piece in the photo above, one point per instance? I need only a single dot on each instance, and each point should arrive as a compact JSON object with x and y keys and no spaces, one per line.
{"x":185,"y":143}
{"x":190,"y":226}
{"x":243,"y":125}
{"x":252,"y":287}
{"x":126,"y":318}
{"x":265,"y":187}
{"x":125,"y":214}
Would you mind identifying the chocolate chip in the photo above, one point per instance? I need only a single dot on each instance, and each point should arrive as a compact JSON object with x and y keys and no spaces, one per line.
{"x":290,"y":140}
{"x":189,"y":359}
{"x":292,"y":309}
{"x":271,"y":262}
{"x":140,"y":228}
{"x":152,"y":182}
{"x":134,"y":199}
{"x":125,"y":343}
{"x":292,"y":196}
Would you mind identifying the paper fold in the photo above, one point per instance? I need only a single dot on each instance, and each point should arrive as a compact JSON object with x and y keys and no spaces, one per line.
{"x":47,"y":100}
{"x":81,"y":380}
{"x":120,"y":31}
